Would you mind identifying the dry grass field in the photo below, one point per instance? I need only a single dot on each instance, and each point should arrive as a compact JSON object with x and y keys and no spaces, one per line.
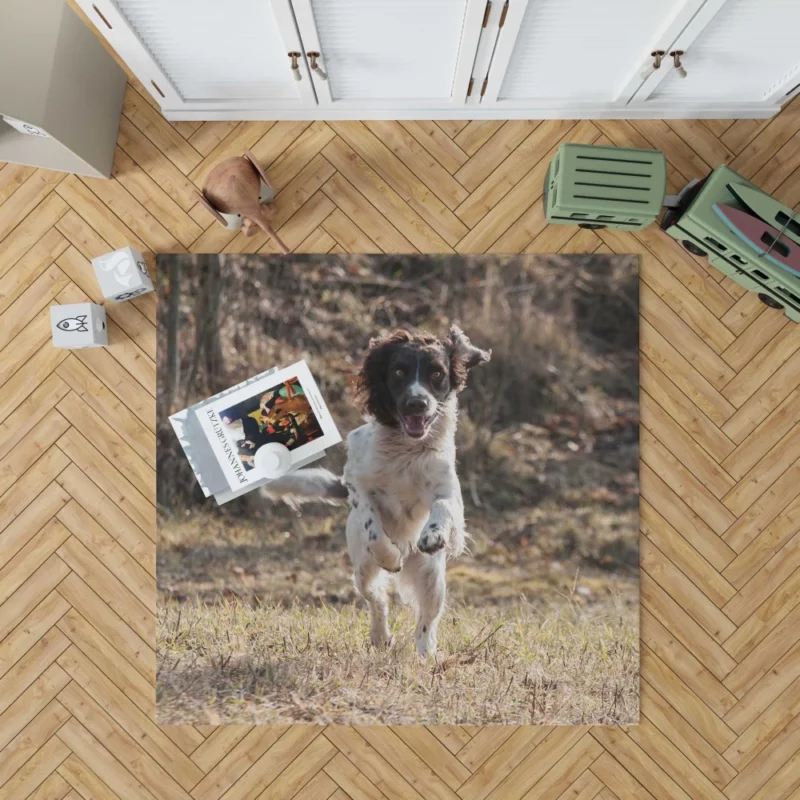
{"x":230,"y":662}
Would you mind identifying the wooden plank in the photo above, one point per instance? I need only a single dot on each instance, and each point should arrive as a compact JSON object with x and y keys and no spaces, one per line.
{"x":764,"y":400}
{"x":685,"y":413}
{"x":31,"y":266}
{"x":38,"y":696}
{"x":38,"y":768}
{"x":127,"y":566}
{"x":91,"y":606}
{"x":773,"y":573}
{"x":691,"y":382}
{"x":686,"y":702}
{"x":237,"y":762}
{"x":493,"y":152}
{"x":114,"y":446}
{"x":774,"y":428}
{"x":31,"y":738}
{"x":680,"y":553}
{"x":612,"y":774}
{"x":122,"y":746}
{"x":97,"y":649}
{"x":681,"y":445}
{"x":537,"y":148}
{"x":686,"y":630}
{"x":427,"y":170}
{"x":30,"y":231}
{"x":350,"y":202}
{"x":111,"y":775}
{"x":158,"y":203}
{"x":26,"y":198}
{"x":138,"y":615}
{"x":31,"y":666}
{"x":157,"y":165}
{"x":160,"y":132}
{"x":660,"y":715}
{"x":437,"y":143}
{"x":410,"y":217}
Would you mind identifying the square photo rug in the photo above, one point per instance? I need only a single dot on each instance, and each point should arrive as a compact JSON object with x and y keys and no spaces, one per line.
{"x":398,"y":490}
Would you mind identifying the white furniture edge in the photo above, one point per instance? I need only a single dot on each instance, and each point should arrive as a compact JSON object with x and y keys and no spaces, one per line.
{"x":174,"y":108}
{"x":700,"y":111}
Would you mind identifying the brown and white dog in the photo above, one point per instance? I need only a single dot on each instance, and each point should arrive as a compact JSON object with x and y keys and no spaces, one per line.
{"x":406,"y":511}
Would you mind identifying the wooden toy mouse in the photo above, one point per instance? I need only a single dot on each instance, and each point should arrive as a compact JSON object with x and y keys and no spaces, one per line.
{"x":233,"y":189}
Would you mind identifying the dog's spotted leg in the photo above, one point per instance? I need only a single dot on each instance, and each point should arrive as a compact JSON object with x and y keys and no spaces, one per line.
{"x":426,"y":574}
{"x":436,"y":531}
{"x":387,"y":554}
{"x":370,"y":584}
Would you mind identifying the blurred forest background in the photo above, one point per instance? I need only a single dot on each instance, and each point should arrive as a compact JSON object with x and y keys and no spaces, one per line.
{"x":547,"y":437}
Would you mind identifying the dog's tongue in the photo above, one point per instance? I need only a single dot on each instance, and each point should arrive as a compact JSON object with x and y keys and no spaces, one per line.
{"x":415,"y":424}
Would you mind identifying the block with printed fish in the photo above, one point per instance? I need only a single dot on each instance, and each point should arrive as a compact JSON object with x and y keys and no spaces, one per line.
{"x":79,"y":325}
{"x":122,"y":275}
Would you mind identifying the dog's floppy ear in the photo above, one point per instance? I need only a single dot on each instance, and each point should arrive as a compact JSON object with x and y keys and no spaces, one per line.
{"x":372,"y":391}
{"x":463,"y":357}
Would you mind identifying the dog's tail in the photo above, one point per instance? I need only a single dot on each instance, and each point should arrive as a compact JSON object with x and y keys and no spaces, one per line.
{"x":305,"y":486}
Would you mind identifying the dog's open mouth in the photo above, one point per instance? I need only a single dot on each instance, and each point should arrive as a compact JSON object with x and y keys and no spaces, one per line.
{"x":415,"y":425}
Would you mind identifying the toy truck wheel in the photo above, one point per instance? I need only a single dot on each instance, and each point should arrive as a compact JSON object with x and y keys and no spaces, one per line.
{"x":693,"y":248}
{"x":592,"y":226}
{"x":769,"y":301}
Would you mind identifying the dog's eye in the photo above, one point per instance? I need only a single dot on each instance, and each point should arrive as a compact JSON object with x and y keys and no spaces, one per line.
{"x":399,"y":372}
{"x":437,"y":375}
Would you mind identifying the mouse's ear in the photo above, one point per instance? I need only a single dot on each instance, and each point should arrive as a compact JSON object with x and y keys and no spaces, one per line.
{"x":211,"y":210}
{"x":257,"y":167}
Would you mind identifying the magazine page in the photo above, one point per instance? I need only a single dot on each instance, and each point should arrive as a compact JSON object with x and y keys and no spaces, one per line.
{"x":285,"y":408}
{"x":197,"y":448}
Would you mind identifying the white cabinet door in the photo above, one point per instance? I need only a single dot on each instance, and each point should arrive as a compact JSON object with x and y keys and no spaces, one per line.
{"x":736,"y":51}
{"x":573,"y":53}
{"x":391,"y":54}
{"x":197,"y":54}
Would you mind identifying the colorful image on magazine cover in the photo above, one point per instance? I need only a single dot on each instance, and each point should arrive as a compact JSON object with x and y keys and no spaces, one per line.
{"x":281,"y":414}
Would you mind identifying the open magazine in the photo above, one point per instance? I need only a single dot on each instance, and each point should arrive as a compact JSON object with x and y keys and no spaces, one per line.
{"x":221,"y":435}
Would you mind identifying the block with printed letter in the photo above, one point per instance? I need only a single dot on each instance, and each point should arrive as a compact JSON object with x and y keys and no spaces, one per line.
{"x":78,"y":325}
{"x":122,"y":274}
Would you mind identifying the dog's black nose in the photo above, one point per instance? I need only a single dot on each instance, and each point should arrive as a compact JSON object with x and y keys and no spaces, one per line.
{"x":415,"y":405}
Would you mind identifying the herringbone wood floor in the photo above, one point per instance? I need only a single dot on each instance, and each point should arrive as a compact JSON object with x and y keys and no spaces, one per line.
{"x":720,"y":471}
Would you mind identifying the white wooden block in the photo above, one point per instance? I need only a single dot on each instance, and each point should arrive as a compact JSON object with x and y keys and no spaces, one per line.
{"x":78,"y":325}
{"x":122,"y":274}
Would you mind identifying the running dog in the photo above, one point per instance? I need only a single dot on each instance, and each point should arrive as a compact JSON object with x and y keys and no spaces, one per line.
{"x":406,"y":510}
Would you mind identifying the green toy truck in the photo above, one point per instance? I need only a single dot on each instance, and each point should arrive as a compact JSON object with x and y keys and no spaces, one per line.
{"x":609,"y":187}
{"x":694,"y":223}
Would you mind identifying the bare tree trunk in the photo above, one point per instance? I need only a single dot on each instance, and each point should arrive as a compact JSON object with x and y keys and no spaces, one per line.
{"x":172,"y":378}
{"x":213,"y":349}
{"x":208,"y":352}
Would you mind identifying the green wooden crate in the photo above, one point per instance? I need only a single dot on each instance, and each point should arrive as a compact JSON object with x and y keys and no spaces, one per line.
{"x":701,"y":231}
{"x":605,"y":187}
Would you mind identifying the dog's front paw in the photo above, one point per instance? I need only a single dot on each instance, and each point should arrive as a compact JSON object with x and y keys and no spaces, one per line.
{"x":431,"y":539}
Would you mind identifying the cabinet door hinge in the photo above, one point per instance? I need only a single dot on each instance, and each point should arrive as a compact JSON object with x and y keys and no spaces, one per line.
{"x":469,"y":88}
{"x":503,"y":15}
{"x":486,"y":13}
{"x":485,"y":83}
